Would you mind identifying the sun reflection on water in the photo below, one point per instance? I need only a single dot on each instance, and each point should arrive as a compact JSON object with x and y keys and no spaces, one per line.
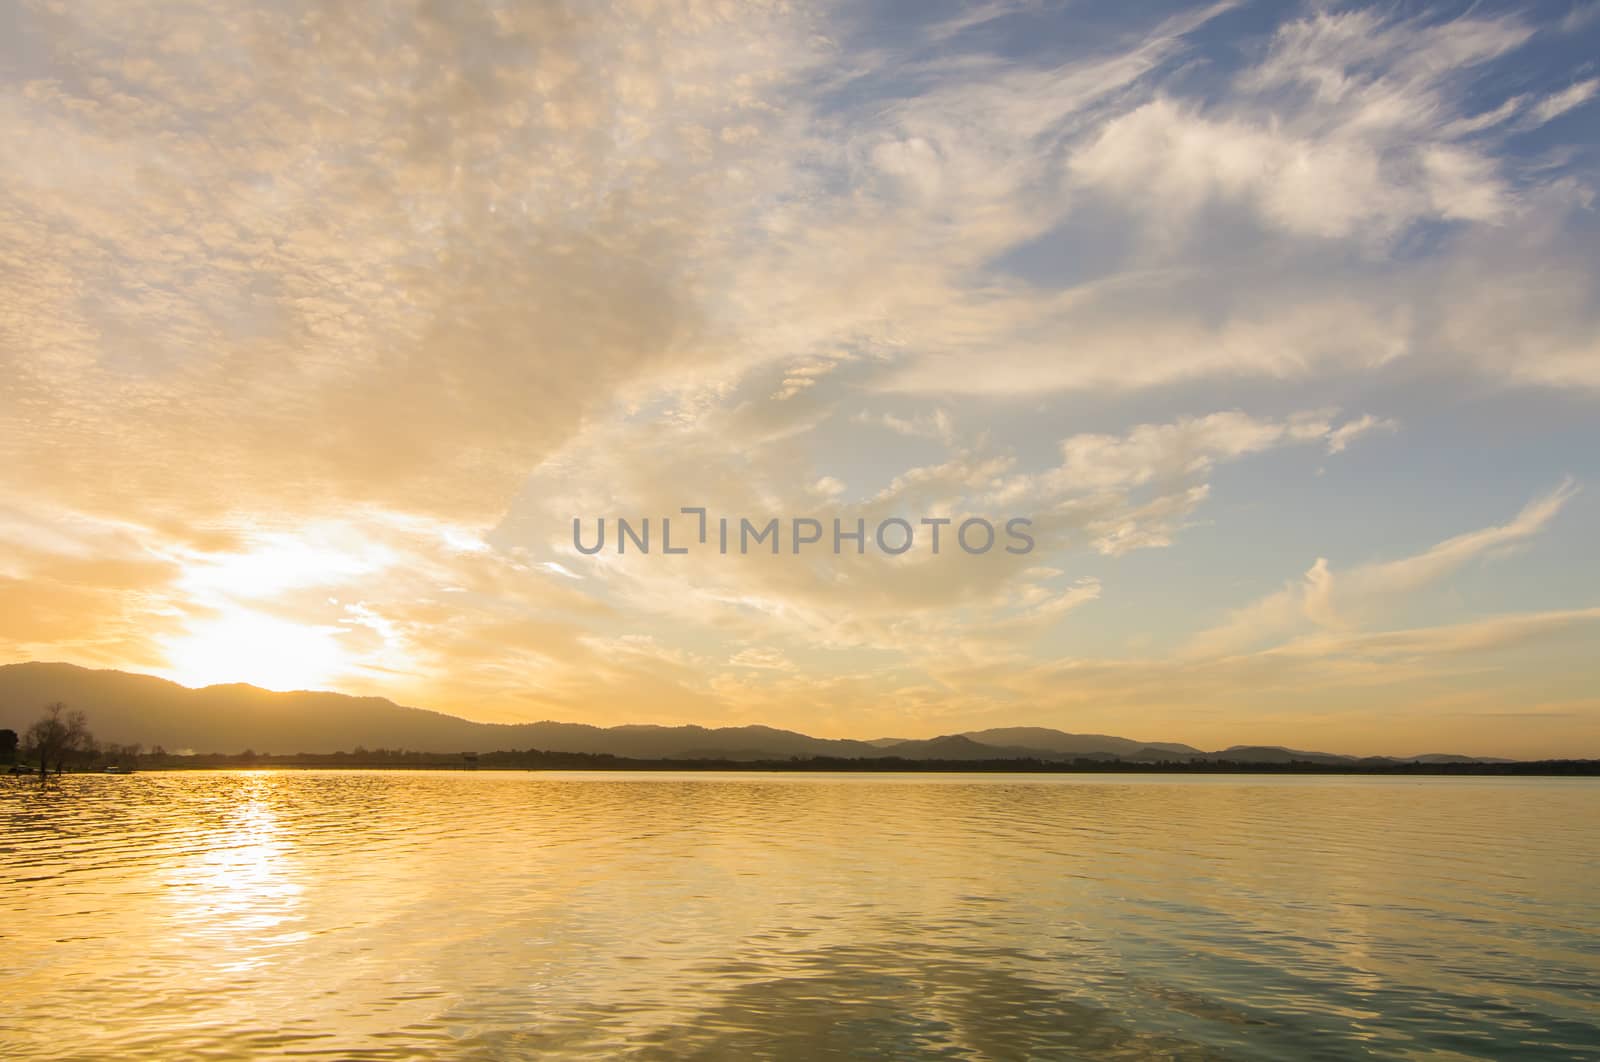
{"x":240,"y":890}
{"x":404,"y":915}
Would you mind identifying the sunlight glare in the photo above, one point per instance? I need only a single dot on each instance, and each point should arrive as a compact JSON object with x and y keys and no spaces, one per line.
{"x":244,"y":646}
{"x":276,"y":564}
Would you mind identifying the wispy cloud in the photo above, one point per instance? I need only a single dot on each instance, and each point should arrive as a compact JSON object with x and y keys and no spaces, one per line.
{"x":1342,"y":600}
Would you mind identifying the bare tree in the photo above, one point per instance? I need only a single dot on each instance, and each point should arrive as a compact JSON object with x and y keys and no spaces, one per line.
{"x":58,"y":735}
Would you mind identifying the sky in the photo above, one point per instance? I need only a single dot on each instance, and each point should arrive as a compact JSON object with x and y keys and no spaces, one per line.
{"x":320,"y":324}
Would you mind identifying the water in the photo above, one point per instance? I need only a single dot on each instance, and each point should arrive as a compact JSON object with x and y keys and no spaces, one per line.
{"x":413,"y":915}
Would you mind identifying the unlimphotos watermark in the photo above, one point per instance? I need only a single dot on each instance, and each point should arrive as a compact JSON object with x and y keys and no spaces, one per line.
{"x":973,"y":535}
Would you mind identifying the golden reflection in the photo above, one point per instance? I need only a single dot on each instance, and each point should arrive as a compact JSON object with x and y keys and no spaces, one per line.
{"x":240,"y":887}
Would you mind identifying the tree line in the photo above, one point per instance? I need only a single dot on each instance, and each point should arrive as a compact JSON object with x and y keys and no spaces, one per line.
{"x":60,"y":738}
{"x":57,"y":739}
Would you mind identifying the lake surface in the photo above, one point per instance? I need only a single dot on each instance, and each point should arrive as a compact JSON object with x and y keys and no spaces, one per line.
{"x":490,"y":915}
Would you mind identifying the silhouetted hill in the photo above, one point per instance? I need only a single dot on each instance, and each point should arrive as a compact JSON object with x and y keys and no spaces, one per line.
{"x":1042,"y":738}
{"x":1277,"y":754}
{"x":961,"y":747}
{"x":127,"y":708}
{"x":1455,"y":757}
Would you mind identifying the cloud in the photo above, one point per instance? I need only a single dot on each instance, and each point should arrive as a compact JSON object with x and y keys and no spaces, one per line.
{"x":1112,"y":494}
{"x":1323,"y":598}
{"x":1327,"y":186}
{"x":1412,"y":572}
{"x":1362,"y":155}
{"x":936,"y":425}
{"x":761,"y":659}
{"x":1133,"y":491}
{"x":324,"y":326}
{"x":1579,"y":17}
{"x":1265,"y":231}
{"x":1559,"y":103}
{"x":1490,"y":635}
{"x":1340,"y":438}
{"x":1187,"y":447}
{"x":388,"y":260}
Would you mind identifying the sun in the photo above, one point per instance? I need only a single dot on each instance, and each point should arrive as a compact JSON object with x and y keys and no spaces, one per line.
{"x":242,"y":645}
{"x":247,"y":610}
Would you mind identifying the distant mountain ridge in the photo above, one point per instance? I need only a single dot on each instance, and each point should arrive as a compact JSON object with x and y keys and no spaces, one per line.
{"x":128,"y":708}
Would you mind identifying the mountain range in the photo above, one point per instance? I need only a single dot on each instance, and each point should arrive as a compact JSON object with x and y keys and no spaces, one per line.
{"x":129,"y":708}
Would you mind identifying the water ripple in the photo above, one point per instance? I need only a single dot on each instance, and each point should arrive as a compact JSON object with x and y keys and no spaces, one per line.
{"x":414,"y":915}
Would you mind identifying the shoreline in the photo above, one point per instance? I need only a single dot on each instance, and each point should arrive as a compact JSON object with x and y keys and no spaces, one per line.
{"x":579,"y":762}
